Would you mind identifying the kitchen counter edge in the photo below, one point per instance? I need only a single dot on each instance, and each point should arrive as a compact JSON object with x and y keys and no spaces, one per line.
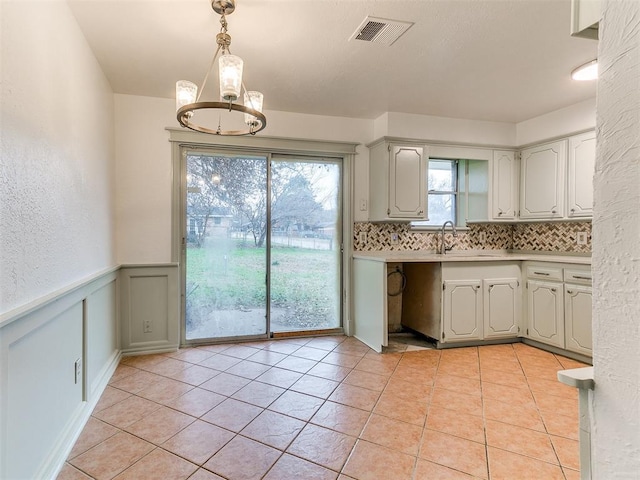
{"x":481,"y":256}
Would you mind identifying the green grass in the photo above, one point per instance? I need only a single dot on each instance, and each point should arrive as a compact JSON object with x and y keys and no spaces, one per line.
{"x":230,"y":274}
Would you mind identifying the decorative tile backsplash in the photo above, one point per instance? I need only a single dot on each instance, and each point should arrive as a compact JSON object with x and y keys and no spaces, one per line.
{"x":547,"y":237}
{"x":551,"y":237}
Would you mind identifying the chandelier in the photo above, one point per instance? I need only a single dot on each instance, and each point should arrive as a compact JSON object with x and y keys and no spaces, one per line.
{"x":231,"y":87}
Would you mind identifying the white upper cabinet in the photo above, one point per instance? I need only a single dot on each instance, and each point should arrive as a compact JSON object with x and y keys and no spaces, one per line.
{"x":397,"y":181}
{"x":542,"y":181}
{"x":504,"y":185}
{"x":582,"y":159}
{"x":585,"y":18}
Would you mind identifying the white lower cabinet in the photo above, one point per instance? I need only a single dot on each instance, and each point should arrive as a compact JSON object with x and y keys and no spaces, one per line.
{"x":481,"y":301}
{"x":501,"y":298}
{"x":462,"y":310}
{"x":545,"y":312}
{"x":559,"y":306}
{"x":577,"y":308}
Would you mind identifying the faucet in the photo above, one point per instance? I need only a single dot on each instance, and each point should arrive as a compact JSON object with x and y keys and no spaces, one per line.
{"x":443,"y":246}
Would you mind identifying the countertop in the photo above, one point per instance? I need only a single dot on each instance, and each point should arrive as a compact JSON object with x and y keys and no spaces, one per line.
{"x":472,"y":256}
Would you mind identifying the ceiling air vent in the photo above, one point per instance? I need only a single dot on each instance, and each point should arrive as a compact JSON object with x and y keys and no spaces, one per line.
{"x":380,"y":30}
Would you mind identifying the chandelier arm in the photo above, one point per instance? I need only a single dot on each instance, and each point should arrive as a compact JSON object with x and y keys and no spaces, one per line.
{"x":248,"y":97}
{"x":206,"y":77}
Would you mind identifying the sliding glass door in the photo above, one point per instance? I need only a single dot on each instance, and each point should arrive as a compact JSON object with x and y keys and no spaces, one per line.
{"x":305,"y":244}
{"x":262,"y":248}
{"x":225,"y":246}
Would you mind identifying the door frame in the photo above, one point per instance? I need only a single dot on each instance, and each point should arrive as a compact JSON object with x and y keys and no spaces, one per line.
{"x":183,"y":141}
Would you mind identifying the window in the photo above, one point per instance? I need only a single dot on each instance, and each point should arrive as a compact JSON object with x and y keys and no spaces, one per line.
{"x":442,"y":185}
{"x":443,"y":192}
{"x":457,"y":191}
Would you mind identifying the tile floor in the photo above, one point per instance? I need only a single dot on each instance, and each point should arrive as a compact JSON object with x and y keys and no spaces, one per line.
{"x":331,"y":408}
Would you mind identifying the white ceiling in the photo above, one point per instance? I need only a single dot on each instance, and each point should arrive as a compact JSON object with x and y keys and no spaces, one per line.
{"x":500,"y":60}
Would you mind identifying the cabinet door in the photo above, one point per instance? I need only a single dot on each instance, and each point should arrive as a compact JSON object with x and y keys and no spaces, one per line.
{"x":582,"y":160}
{"x":504,"y":186}
{"x":545,"y":312}
{"x":542,"y":188}
{"x":501,"y":299}
{"x":577,"y":310}
{"x":407,"y":182}
{"x":462,"y":310}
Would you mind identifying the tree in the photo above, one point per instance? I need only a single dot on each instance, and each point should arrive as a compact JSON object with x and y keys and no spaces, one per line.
{"x":227,"y":184}
{"x":238,"y":185}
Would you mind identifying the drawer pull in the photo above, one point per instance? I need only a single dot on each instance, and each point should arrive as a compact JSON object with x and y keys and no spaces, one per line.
{"x":541,"y":273}
{"x":579,"y":277}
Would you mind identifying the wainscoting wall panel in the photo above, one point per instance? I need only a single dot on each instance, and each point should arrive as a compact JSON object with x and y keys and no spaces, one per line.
{"x":101,"y":333}
{"x":44,"y":404}
{"x":150,"y":308}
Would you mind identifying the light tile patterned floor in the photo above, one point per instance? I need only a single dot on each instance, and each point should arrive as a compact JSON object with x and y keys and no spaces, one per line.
{"x":331,"y":408}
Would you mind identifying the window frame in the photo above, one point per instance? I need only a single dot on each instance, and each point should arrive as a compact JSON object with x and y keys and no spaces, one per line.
{"x":455,"y":167}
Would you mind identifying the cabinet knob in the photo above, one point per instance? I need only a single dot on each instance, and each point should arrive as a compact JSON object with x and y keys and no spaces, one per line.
{"x":570,"y":292}
{"x":499,"y":212}
{"x":553,"y":289}
{"x":553,"y":211}
{"x":573,"y":210}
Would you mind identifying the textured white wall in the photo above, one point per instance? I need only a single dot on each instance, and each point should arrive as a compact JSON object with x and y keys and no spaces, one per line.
{"x":616,"y":250}
{"x":143,"y":177}
{"x":455,"y":130}
{"x":568,"y":120}
{"x":144,"y":158}
{"x":57,"y":167}
{"x":144,"y":171}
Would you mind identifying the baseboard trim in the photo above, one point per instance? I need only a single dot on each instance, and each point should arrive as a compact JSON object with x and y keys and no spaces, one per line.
{"x":150,"y":350}
{"x":559,"y":351}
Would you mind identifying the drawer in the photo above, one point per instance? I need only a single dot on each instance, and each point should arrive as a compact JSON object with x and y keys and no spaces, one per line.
{"x":581,"y":277}
{"x":544,"y":273}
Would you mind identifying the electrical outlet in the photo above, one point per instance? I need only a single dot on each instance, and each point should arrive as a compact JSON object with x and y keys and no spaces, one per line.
{"x":581,"y":238}
{"x":394,"y":239}
{"x":363,"y":204}
{"x":362,"y":237}
{"x":147,"y":326}
{"x":482,"y":237}
{"x":78,"y":370}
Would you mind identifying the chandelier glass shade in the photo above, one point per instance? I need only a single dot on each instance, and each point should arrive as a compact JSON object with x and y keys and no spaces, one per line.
{"x":230,"y":69}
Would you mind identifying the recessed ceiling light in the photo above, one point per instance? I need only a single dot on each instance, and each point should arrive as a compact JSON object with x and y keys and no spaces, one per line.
{"x":588,"y":71}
